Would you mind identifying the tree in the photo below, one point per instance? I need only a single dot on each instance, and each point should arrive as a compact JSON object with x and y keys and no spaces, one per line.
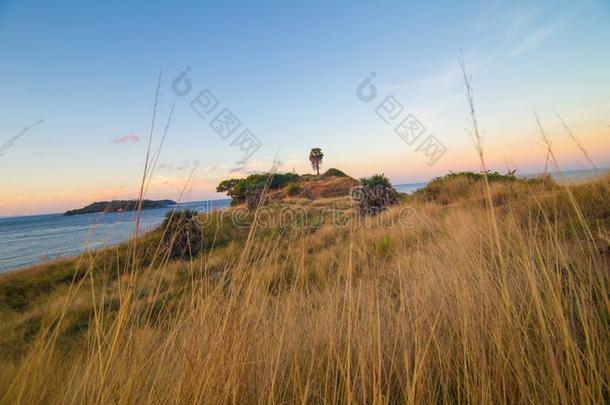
{"x":238,"y":189}
{"x":315,"y":157}
{"x":226,"y":186}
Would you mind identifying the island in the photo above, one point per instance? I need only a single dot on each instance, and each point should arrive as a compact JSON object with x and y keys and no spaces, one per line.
{"x":120,"y":206}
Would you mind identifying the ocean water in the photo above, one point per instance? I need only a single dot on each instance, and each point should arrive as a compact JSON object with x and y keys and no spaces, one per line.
{"x":409,"y":187}
{"x":28,"y":240}
{"x":570,"y":176}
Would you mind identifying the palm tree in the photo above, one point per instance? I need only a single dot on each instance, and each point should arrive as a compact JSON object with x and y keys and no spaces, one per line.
{"x":315,"y":157}
{"x":374,"y":195}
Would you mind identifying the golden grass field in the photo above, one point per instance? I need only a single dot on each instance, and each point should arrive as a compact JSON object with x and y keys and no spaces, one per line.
{"x":438,"y":299}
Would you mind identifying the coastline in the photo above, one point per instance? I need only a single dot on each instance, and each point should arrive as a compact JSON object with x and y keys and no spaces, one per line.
{"x":570,"y":177}
{"x":27,"y":241}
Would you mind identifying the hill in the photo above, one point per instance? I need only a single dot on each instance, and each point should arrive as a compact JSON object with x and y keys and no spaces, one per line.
{"x":441,"y":298}
{"x":119,"y":206}
{"x":332,"y":183}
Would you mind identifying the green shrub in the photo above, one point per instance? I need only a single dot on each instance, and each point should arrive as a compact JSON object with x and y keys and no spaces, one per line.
{"x":384,"y":245}
{"x":334,"y":172}
{"x":253,"y":198}
{"x":374,"y":195}
{"x":293,"y":189}
{"x":238,"y":189}
{"x":183,"y":237}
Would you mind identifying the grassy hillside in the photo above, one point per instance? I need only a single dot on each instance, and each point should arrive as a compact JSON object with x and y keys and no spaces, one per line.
{"x":432,"y":300}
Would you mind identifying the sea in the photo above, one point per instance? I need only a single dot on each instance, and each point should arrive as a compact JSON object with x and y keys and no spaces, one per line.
{"x":34,"y":239}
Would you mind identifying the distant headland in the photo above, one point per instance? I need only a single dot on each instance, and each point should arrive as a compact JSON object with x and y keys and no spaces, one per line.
{"x":120,"y":206}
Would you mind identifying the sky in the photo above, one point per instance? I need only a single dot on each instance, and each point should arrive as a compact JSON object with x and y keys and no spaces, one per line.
{"x":292,"y":74}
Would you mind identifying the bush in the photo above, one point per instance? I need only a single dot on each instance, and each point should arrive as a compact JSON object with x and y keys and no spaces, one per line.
{"x":293,"y":189}
{"x":384,"y":245}
{"x":253,"y":198}
{"x":332,"y":172}
{"x":374,"y":195}
{"x":238,"y":189}
{"x":182,"y":238}
{"x":456,"y":186}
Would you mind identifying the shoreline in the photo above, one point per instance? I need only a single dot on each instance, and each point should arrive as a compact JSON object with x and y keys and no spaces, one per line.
{"x":570,"y":177}
{"x":40,"y":239}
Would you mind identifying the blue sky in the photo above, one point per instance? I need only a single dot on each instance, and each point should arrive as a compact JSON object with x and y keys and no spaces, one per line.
{"x":289,"y":72}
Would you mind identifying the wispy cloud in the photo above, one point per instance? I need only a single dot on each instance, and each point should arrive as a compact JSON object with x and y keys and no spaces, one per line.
{"x":165,"y":166}
{"x":446,"y":76}
{"x":518,"y":22}
{"x":525,"y":30}
{"x":186,"y":164}
{"x":126,"y":139}
{"x":534,"y":38}
{"x":603,"y":123}
{"x":178,"y":166}
{"x":521,"y":29}
{"x":253,"y":166}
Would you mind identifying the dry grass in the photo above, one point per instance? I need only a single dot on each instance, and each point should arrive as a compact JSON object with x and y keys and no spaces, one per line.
{"x":340,"y":314}
{"x":313,"y":187}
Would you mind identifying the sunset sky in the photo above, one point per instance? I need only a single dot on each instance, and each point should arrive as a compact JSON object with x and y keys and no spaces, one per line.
{"x":289,"y":72}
